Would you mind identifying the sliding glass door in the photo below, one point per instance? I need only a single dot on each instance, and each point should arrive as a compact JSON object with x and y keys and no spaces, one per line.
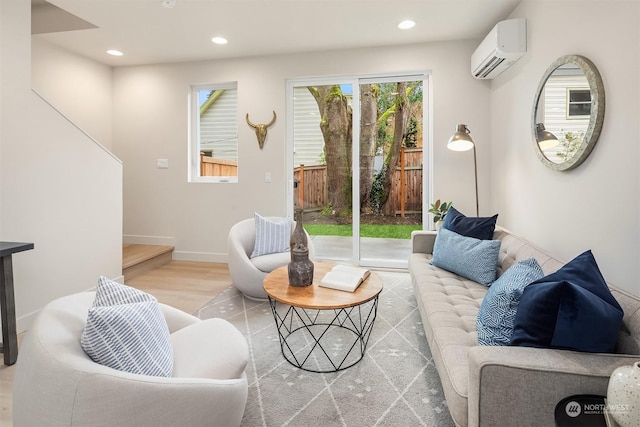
{"x":355,"y":156}
{"x":390,"y":168}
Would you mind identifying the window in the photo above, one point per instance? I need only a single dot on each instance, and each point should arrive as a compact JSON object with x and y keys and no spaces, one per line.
{"x":214,"y":133}
{"x":579,"y":103}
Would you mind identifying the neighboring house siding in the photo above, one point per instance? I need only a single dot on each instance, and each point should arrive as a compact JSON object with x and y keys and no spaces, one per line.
{"x":556,"y":110}
{"x":556,"y":115}
{"x":308,"y":140}
{"x":218,"y":127}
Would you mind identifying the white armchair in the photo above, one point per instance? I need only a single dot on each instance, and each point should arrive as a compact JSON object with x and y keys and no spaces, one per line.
{"x":248,"y":273}
{"x":57,"y":384}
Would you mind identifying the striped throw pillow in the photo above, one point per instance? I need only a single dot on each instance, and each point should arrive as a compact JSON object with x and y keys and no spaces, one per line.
{"x":129,"y":337}
{"x":272,"y":236}
{"x":126,"y":330}
{"x":109,"y":292}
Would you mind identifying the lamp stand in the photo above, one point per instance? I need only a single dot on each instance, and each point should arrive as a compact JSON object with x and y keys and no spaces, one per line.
{"x":475,"y":172}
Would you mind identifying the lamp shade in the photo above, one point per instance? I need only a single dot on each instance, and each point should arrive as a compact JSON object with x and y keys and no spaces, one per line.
{"x":545,"y":138}
{"x":460,"y":140}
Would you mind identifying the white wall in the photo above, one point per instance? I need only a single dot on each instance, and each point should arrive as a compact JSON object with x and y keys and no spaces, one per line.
{"x":595,"y":206}
{"x":59,"y":189}
{"x":78,"y":87}
{"x":151,"y":122}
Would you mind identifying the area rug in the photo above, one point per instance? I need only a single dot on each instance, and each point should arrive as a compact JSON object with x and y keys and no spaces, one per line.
{"x":395,"y":383}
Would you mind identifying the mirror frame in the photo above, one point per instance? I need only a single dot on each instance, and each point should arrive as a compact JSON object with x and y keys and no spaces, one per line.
{"x":597,"y":111}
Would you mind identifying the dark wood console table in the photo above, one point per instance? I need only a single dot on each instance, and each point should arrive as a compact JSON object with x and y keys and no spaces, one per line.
{"x":7,"y":301}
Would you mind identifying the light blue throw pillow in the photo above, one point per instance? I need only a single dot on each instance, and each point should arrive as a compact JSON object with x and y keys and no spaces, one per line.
{"x":468,"y":257}
{"x":126,"y":330}
{"x":110,"y":293}
{"x":500,"y":304}
{"x":129,"y":337}
{"x":272,"y":236}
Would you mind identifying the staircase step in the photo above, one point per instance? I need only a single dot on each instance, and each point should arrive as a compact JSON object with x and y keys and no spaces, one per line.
{"x":139,"y":259}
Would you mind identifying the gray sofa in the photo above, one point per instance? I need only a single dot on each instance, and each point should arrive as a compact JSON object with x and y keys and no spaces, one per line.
{"x":506,"y":386}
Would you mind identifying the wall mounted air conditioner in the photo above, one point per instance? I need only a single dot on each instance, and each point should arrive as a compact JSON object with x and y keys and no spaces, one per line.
{"x":500,"y":49}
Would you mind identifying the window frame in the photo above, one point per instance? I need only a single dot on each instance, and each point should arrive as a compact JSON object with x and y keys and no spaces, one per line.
{"x":571,"y":116}
{"x":194,"y":134}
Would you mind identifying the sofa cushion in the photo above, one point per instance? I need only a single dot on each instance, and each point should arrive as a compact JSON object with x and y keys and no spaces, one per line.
{"x":500,"y":304}
{"x":129,"y":337}
{"x":268,"y":263}
{"x":570,"y":309}
{"x":272,"y":235}
{"x":448,"y":307}
{"x":197,"y":352}
{"x":472,"y":258}
{"x":478,"y":227}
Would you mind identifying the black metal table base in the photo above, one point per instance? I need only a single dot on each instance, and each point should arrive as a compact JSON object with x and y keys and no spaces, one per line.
{"x":324,"y":340}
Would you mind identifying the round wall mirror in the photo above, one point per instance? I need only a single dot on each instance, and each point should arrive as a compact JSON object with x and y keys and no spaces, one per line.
{"x":568,"y":111}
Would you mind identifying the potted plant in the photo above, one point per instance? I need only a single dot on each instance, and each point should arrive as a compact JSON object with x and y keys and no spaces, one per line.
{"x":439,"y":210}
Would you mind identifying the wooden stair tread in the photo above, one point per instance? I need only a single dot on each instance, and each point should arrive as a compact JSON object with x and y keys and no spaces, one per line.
{"x":137,"y":254}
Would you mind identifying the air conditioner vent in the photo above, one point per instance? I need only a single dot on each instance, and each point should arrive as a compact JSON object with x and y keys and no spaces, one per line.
{"x":489,"y":67}
{"x":500,"y":49}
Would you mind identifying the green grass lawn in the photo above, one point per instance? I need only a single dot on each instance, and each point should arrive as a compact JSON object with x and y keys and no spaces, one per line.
{"x":366,"y":230}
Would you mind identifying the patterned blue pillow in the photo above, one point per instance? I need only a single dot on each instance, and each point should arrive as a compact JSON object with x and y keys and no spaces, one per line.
{"x":272,"y":236}
{"x":109,"y":292}
{"x":129,"y":337}
{"x":500,"y":304}
{"x":126,"y":330}
{"x":472,"y":258}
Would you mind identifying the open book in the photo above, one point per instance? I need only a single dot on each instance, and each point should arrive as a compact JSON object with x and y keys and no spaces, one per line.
{"x":345,"y":278}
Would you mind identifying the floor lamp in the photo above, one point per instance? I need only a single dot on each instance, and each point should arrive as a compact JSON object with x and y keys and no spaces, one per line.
{"x":461,"y":141}
{"x":545,"y":138}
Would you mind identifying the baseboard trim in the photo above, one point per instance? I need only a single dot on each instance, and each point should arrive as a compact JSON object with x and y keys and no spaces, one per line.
{"x":133,"y":239}
{"x":200,"y":256}
{"x":23,"y":323}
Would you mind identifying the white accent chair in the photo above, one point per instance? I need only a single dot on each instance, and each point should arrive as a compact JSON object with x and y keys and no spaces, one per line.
{"x":57,"y":384}
{"x":248,"y":273}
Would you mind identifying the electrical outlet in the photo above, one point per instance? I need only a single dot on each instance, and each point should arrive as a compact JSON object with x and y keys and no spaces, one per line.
{"x":267,"y":177}
{"x":162,"y":163}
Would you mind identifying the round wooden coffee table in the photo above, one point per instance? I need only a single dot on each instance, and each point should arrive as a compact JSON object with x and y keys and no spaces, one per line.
{"x":322,"y":329}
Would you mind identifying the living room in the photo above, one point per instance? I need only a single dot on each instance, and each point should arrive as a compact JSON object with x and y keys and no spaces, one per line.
{"x":139,"y":114}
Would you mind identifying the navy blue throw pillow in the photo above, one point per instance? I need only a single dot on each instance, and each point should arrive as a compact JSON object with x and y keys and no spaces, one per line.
{"x":570,"y":309}
{"x":477,"y":227}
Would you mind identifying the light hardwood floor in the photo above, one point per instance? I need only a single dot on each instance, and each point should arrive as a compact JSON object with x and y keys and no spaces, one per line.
{"x":182,"y":284}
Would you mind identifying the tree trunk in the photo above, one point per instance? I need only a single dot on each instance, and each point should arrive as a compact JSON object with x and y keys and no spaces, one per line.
{"x":394,"y":151}
{"x":335,"y":124}
{"x":368,"y":127}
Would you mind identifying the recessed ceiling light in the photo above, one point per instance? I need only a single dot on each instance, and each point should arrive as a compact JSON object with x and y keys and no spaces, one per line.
{"x":219,"y":40}
{"x":407,"y":24}
{"x":169,"y":4}
{"x":114,"y":52}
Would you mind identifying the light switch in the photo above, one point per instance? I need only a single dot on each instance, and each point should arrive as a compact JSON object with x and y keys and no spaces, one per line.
{"x":162,"y":163}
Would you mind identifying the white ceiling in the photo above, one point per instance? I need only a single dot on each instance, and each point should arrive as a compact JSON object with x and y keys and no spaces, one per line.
{"x":148,"y":33}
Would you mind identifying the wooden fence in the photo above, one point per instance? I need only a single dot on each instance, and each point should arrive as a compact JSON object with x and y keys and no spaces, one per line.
{"x":406,"y":186}
{"x":210,"y":166}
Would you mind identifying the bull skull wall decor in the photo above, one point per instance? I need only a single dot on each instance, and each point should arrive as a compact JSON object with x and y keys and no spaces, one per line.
{"x":261,"y":130}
